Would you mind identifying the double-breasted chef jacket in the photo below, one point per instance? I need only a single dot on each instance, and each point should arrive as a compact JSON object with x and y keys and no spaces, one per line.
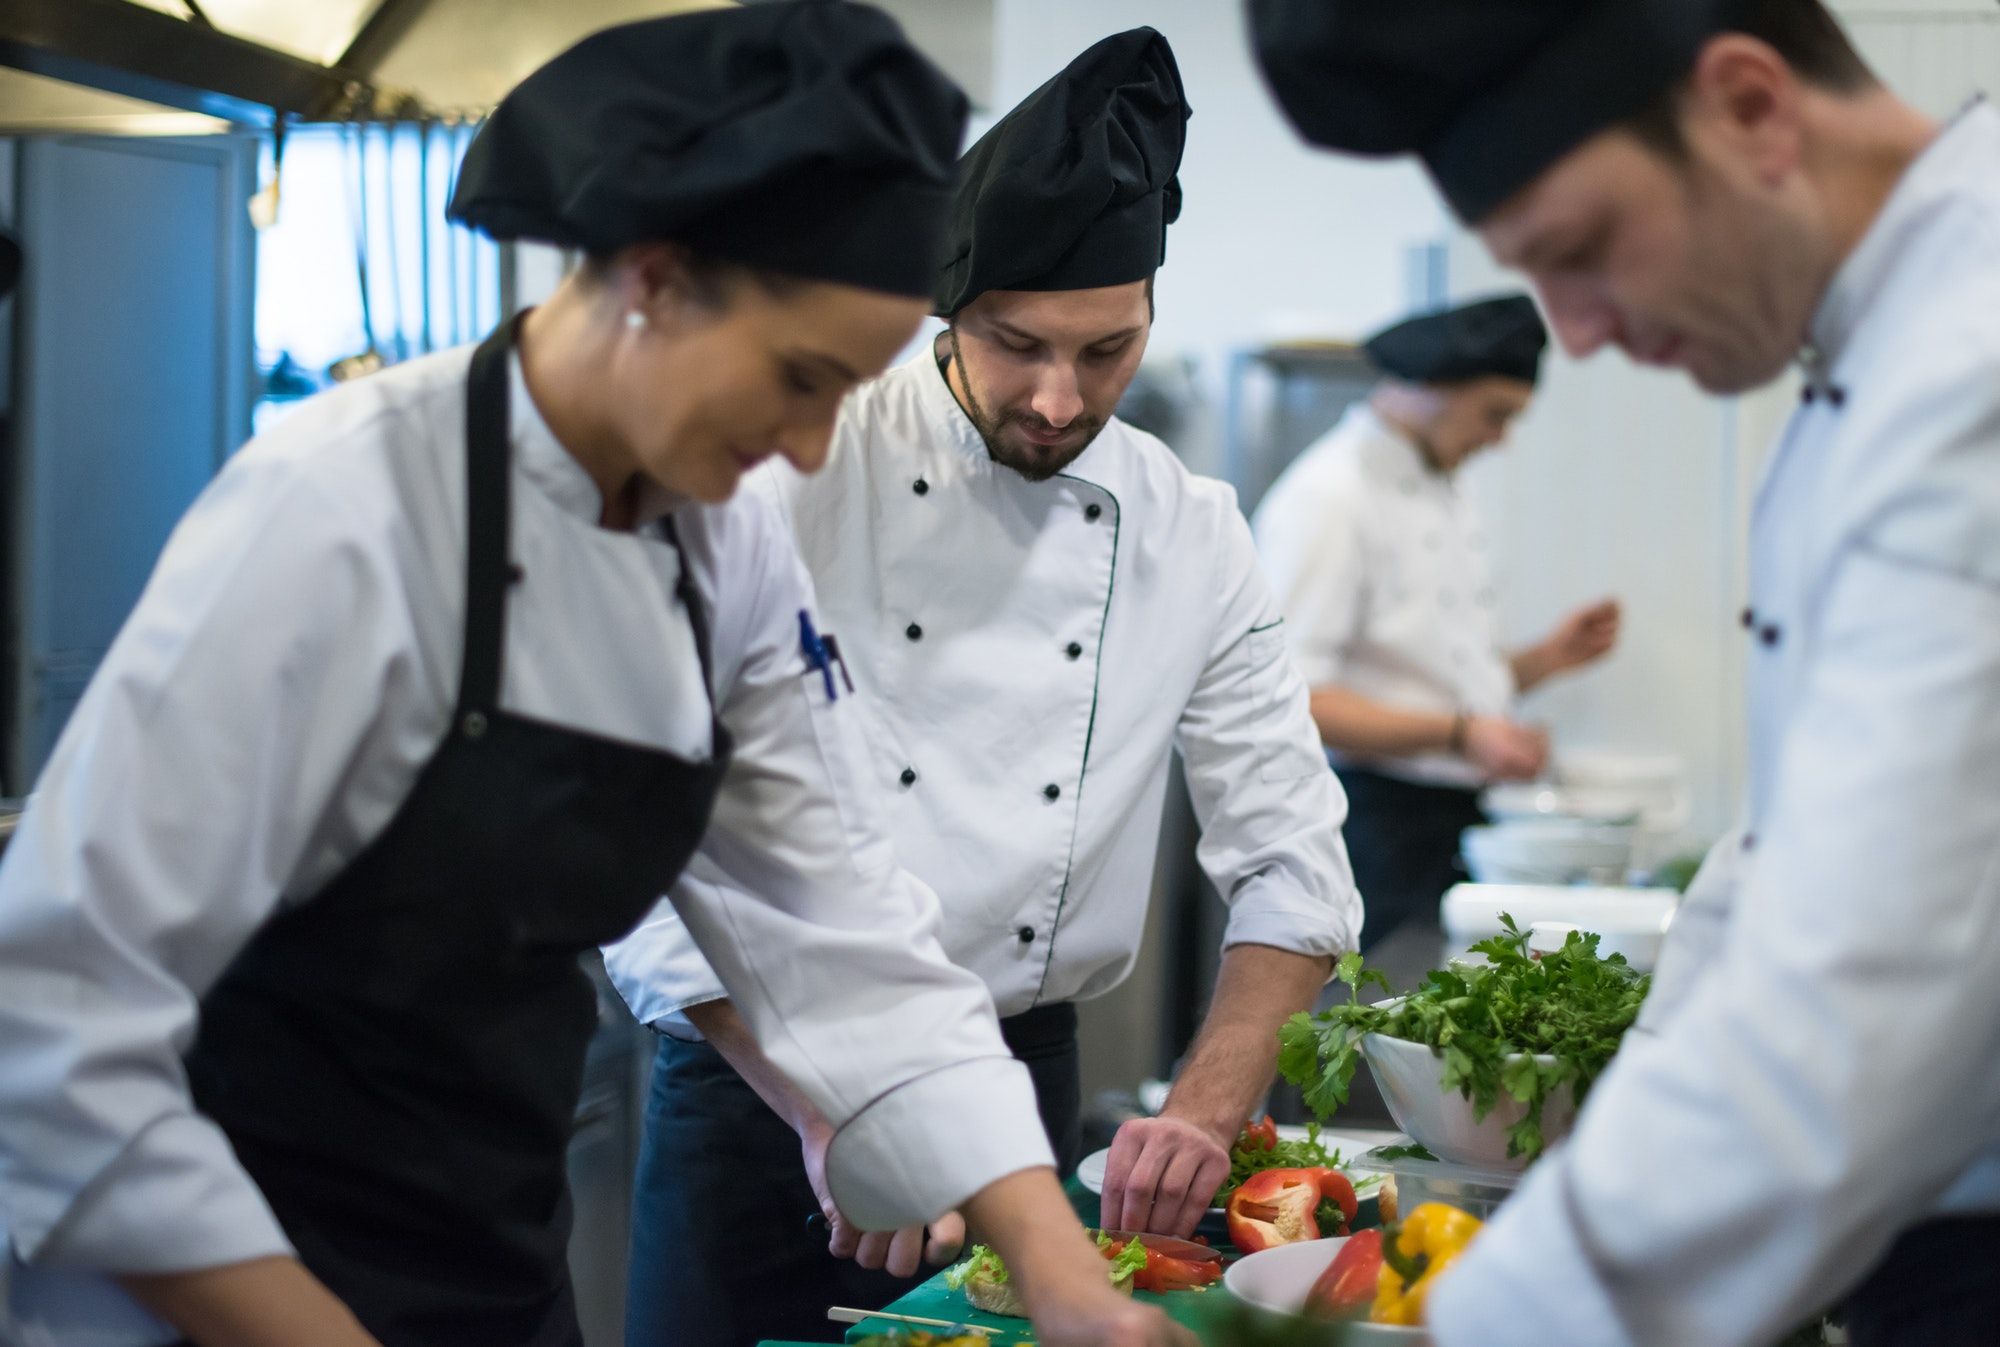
{"x":266,"y":712}
{"x":1382,"y":569}
{"x":1029,"y":655}
{"x":1814,"y":1071}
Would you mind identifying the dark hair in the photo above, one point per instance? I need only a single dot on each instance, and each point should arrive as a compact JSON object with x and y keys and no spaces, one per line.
{"x":712,"y":279}
{"x":951,"y":319}
{"x":1804,"y":32}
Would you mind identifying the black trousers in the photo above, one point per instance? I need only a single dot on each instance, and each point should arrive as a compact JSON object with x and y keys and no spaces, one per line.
{"x":1403,"y":840}
{"x":722,"y":1255}
{"x":1939,"y":1286}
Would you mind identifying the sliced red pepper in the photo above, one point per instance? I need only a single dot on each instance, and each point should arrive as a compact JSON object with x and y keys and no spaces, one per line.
{"x":1347,"y":1287}
{"x":1336,"y":1189}
{"x":1284,"y":1206}
{"x":1274,"y":1207}
{"x":1259,"y":1136}
{"x":1164,"y":1272}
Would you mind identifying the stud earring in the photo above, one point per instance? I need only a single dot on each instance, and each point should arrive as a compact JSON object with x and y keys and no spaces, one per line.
{"x":634,"y":319}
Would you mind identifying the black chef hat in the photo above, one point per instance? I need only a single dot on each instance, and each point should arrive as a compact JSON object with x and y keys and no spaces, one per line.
{"x":10,"y":264}
{"x":1073,"y":189}
{"x":807,"y":137}
{"x":1502,"y":336}
{"x":1488,"y":92}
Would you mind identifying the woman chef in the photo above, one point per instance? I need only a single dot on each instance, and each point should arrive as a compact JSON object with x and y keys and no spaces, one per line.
{"x":416,"y":709}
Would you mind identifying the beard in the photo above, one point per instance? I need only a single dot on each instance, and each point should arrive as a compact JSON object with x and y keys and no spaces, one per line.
{"x":1034,"y":461}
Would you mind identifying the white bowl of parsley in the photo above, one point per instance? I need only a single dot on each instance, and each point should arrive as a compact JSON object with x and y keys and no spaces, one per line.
{"x":1483,"y":1064}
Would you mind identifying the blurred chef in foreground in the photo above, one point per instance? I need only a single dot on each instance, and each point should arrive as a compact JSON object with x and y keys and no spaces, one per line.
{"x":1808,"y":1113}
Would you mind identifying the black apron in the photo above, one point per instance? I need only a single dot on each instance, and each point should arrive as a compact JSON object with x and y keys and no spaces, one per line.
{"x":1402,"y":840}
{"x":397,"y":1062}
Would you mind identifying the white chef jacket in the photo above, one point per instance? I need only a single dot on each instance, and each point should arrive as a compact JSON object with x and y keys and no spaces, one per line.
{"x":1381,"y":569}
{"x":1029,"y":654}
{"x":1816,"y":1068}
{"x":289,"y":670}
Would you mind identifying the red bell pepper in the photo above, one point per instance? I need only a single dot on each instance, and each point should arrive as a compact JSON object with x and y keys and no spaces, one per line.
{"x":1280,"y":1206}
{"x":1259,"y":1136}
{"x":1165,"y":1271}
{"x":1347,"y":1287}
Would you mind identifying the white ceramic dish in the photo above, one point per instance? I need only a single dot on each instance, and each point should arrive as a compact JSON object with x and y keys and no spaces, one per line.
{"x":1631,"y":922}
{"x":1277,"y":1280}
{"x":1442,"y":1119}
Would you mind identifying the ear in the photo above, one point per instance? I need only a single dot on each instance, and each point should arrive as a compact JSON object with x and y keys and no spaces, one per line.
{"x":1746,"y":104}
{"x":654,"y":279}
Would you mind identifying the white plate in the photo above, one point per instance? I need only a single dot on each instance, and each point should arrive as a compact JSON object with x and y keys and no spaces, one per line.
{"x":1278,"y":1279}
{"x":1090,"y":1171}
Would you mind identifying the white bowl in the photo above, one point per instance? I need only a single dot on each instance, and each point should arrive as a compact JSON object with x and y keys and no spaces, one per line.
{"x":1549,"y":851}
{"x":1441,"y":1119}
{"x":1631,"y":922}
{"x":1277,"y":1280}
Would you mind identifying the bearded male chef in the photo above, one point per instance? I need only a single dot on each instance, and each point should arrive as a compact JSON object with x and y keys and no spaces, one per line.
{"x":1381,"y":568}
{"x":1039,"y":604}
{"x":1809,"y":1112}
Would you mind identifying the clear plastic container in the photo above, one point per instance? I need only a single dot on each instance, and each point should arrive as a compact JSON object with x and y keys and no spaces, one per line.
{"x":1415,"y":1181}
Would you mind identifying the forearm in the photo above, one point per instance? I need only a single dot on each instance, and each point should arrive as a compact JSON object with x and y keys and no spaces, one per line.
{"x":265,"y":1302}
{"x":726,"y":1032}
{"x":1234,"y":1058}
{"x":1533,"y":665}
{"x":1352,"y":723}
{"x":1028,"y":1220}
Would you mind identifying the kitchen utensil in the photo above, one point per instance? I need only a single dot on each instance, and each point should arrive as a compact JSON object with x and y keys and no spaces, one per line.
{"x":840,"y":1314}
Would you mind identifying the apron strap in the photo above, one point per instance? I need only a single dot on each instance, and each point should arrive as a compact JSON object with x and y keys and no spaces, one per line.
{"x":690,"y":596}
{"x":488,"y":458}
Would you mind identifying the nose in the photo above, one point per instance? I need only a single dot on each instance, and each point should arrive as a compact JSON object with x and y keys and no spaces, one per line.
{"x":1583,"y":322}
{"x":805,"y":447}
{"x":1057,"y":399}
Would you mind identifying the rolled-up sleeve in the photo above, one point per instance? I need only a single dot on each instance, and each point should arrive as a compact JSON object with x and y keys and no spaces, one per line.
{"x":1270,"y":809}
{"x":170,"y":817}
{"x":1831,"y":1075}
{"x":827,"y":947}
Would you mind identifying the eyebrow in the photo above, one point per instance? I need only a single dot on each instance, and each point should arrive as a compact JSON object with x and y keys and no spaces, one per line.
{"x":827,"y":362}
{"x":1008,"y":329}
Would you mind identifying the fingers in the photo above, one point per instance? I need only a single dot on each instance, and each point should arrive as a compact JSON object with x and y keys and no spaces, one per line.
{"x":1186,"y":1190}
{"x":1125,"y":1148}
{"x":1136,"y":1212}
{"x":947,"y":1238}
{"x":906,"y":1252}
{"x":845,"y":1240}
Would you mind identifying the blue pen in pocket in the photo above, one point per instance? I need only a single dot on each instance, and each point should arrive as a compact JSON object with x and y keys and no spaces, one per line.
{"x":814,"y":650}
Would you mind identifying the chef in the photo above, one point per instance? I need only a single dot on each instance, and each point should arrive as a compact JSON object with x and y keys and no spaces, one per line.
{"x":439,"y":686}
{"x":1038,"y":604}
{"x":1810,"y":1112}
{"x":1380,"y":566}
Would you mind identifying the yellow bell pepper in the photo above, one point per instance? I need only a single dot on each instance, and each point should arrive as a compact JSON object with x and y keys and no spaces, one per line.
{"x":1414,"y":1254}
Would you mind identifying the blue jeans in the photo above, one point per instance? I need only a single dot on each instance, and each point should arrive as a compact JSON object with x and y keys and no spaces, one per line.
{"x":721,"y":1252}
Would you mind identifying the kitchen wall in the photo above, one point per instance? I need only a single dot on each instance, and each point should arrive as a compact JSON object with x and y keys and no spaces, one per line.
{"x":1628,"y":481}
{"x":1274,"y":238}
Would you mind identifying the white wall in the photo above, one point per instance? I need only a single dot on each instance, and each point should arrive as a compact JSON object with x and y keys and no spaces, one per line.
{"x":1273,"y":236}
{"x":1629,"y":481}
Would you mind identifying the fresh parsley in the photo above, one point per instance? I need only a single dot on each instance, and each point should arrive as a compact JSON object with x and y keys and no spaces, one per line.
{"x":1487,"y":1023}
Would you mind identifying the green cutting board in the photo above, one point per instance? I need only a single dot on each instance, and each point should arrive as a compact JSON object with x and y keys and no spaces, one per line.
{"x":935,"y":1300}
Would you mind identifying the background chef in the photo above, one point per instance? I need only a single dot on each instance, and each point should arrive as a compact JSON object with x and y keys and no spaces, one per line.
{"x":1038,"y":604}
{"x":1381,"y":568}
{"x":1809,"y":1110}
{"x":437,"y":688}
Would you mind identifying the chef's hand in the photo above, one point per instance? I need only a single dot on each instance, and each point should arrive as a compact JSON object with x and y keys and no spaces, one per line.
{"x":1585,"y":636}
{"x":900,"y":1252}
{"x":1505,"y":750}
{"x":1062,"y":1277}
{"x":1161,"y":1176}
